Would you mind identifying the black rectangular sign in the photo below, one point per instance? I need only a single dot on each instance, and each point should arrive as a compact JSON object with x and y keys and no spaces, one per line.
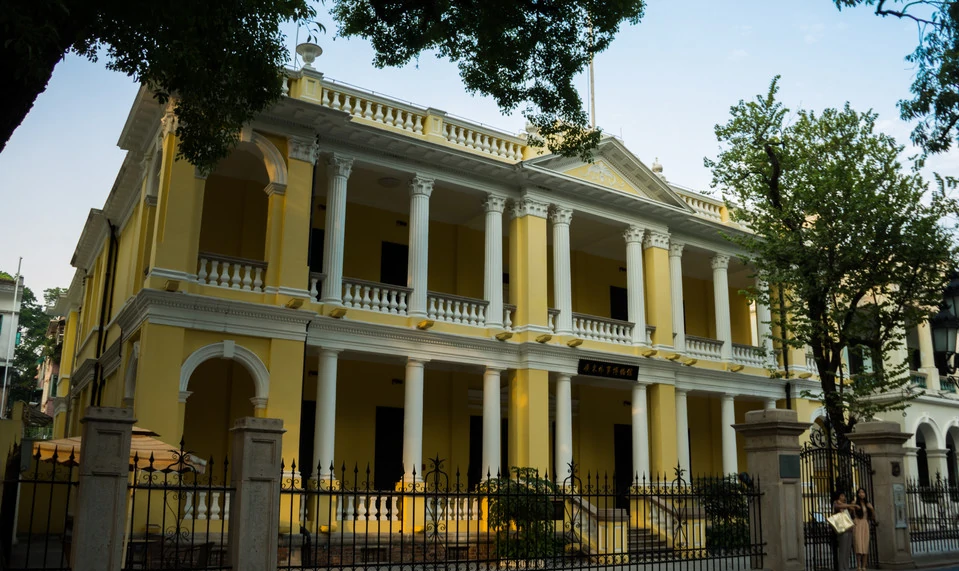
{"x":607,"y":369}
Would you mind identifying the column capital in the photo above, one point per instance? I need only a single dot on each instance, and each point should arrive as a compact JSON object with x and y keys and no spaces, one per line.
{"x":328,"y":351}
{"x":421,"y":185}
{"x":676,"y":249}
{"x":274,"y":188}
{"x":494,"y":369}
{"x":560,"y":214}
{"x":634,"y":234}
{"x":416,"y":361}
{"x":719,"y":262}
{"x":259,"y":403}
{"x":304,"y":149}
{"x":494,"y":203}
{"x":529,"y":207}
{"x":169,"y":122}
{"x":680,"y":390}
{"x":340,"y":165}
{"x":729,"y":396}
{"x":656,"y":239}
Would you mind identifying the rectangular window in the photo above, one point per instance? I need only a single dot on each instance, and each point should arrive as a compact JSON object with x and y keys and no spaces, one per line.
{"x":618,"y":303}
{"x":316,"y":250}
{"x":394,"y":260}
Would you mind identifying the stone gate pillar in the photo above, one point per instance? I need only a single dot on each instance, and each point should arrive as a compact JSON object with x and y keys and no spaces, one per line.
{"x":883,"y":441}
{"x":101,"y":511}
{"x":255,"y":510}
{"x":772,"y":456}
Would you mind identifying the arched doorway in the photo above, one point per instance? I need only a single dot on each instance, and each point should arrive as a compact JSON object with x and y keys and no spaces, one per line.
{"x":927,"y":441}
{"x":221,"y":391}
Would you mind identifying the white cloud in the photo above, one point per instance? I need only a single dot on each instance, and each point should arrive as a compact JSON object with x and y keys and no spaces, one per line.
{"x":813,"y":33}
{"x":737,"y":55}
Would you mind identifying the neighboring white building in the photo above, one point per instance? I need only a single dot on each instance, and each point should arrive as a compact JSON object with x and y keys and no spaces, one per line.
{"x":11,"y":296}
{"x":9,"y":316}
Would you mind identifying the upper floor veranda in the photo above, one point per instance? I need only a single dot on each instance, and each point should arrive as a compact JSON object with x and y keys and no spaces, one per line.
{"x":359,"y":207}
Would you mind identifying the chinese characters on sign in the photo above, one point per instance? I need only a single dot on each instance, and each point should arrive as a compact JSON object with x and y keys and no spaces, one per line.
{"x":610,"y":370}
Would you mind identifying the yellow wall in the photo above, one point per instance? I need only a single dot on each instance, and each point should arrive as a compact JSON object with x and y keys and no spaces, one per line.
{"x":700,"y":310}
{"x":599,"y":410}
{"x":234,"y":218}
{"x":662,"y":429}
{"x":592,"y":276}
{"x":705,"y":442}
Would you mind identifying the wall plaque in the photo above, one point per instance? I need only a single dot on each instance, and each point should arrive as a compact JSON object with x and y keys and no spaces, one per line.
{"x":899,"y":503}
{"x":789,"y":466}
{"x":608,"y":370}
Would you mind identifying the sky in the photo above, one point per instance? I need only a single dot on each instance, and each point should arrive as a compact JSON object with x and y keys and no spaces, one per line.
{"x":662,"y":86}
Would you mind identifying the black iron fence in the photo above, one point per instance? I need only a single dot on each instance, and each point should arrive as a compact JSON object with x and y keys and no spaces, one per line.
{"x":518,"y":520}
{"x":35,"y":510}
{"x":179,"y":513}
{"x":933,"y":517}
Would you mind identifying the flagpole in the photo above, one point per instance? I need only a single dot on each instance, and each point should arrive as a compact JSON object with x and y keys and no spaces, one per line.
{"x":13,"y":338}
{"x":592,"y":83}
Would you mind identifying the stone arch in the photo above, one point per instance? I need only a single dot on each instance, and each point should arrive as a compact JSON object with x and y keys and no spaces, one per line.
{"x":931,"y":433}
{"x":273,"y":159}
{"x":130,"y":376}
{"x":819,"y":413}
{"x":228,"y":350}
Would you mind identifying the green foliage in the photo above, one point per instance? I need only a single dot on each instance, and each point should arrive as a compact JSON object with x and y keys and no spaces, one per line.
{"x":726,"y":505}
{"x":516,"y":51}
{"x":52,"y":294}
{"x":220,"y":59}
{"x":936,"y":59}
{"x":521,"y":513}
{"x":843,"y":234}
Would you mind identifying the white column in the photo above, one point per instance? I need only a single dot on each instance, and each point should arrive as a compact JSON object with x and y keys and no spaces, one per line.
{"x":563,"y":453}
{"x":493,"y":283}
{"x":491,"y":422}
{"x":562,"y":286}
{"x":728,"y":419}
{"x":339,"y":173}
{"x":413,"y":421}
{"x":763,"y":326}
{"x":770,"y":404}
{"x":912,"y":460}
{"x":682,"y":431}
{"x":720,"y":263}
{"x":635,"y":289}
{"x":937,"y":463}
{"x":640,"y":432}
{"x":324,"y":426}
{"x":927,"y":358}
{"x":676,"y":292}
{"x":421,"y":188}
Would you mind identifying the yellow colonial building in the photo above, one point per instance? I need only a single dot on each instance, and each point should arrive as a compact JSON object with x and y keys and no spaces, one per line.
{"x":397,"y":284}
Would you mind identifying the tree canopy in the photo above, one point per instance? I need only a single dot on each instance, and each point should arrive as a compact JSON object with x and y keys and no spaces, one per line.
{"x":220,"y":61}
{"x":936,"y":86}
{"x":853,"y":247}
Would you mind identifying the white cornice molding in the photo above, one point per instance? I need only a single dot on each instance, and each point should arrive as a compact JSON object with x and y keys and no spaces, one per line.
{"x":212,"y":314}
{"x":110,"y":359}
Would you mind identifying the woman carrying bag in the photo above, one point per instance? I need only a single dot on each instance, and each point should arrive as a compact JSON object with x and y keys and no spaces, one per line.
{"x":843,"y":525}
{"x":862,"y":515}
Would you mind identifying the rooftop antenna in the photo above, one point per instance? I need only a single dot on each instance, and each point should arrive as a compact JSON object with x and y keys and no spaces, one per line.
{"x":592,"y":80}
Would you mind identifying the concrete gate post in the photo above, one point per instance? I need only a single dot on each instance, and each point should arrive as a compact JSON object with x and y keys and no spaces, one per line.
{"x":101,"y":508}
{"x":883,"y":441}
{"x":255,"y":510}
{"x":772,"y":456}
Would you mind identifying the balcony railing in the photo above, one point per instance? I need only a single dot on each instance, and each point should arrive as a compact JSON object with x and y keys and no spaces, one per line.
{"x":229,"y":272}
{"x":508,"y":312}
{"x":917,"y":379}
{"x":748,"y":355}
{"x":811,"y":364}
{"x":316,"y":282}
{"x":602,"y":329}
{"x":456,"y":309}
{"x":703,"y":348}
{"x":947,"y":384}
{"x":374,"y":296}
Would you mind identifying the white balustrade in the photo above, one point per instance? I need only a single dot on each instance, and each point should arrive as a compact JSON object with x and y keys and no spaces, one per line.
{"x":229,"y":272}
{"x":374,"y":296}
{"x":748,"y":355}
{"x":811,"y":364}
{"x":456,"y":309}
{"x":316,"y":282}
{"x":551,"y":319}
{"x":602,"y":329}
{"x":375,"y":506}
{"x":704,"y":206}
{"x":454,"y":509}
{"x":201,"y":508}
{"x":475,"y":138}
{"x":650,"y":329}
{"x":373,"y":108}
{"x":703,"y":348}
{"x":508,"y":316}
{"x":207,"y":506}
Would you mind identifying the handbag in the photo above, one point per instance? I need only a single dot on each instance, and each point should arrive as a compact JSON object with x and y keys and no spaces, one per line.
{"x":841,"y":521}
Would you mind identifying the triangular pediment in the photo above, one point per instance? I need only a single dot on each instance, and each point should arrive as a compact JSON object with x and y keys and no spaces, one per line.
{"x":602,"y":173}
{"x":613,"y":167}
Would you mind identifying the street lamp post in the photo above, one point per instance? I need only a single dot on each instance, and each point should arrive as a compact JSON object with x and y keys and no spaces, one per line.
{"x":945,"y":328}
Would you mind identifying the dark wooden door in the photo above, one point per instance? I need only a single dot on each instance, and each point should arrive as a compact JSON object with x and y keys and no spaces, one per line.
{"x":622,"y":463}
{"x":388,"y":448}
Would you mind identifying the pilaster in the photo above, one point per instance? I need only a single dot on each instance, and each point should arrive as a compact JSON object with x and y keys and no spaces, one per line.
{"x":658,"y":291}
{"x":255,"y":509}
{"x":527,"y":265}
